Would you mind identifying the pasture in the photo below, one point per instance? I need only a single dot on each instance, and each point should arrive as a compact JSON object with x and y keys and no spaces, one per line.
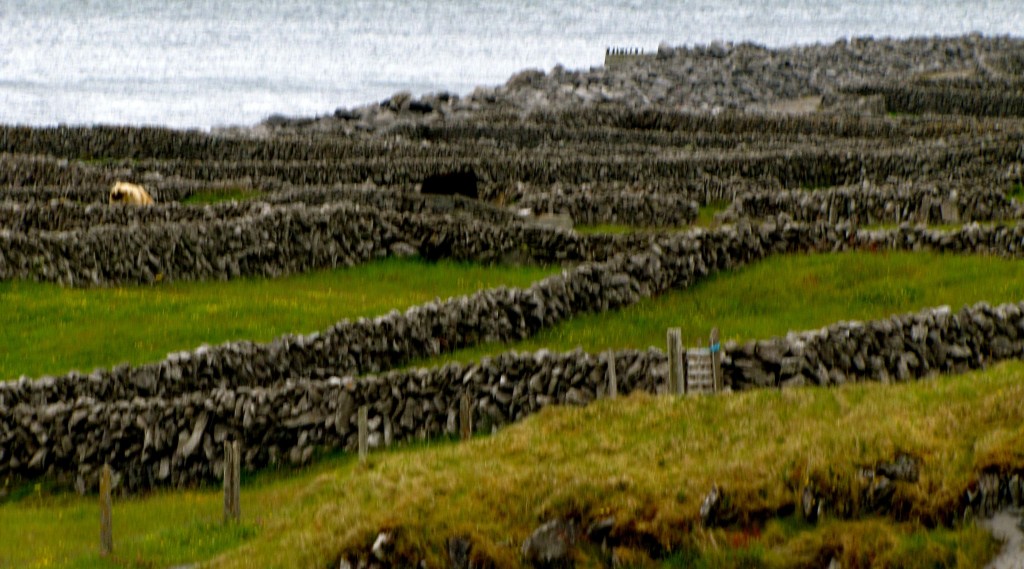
{"x":645,"y":461}
{"x":878,"y":474}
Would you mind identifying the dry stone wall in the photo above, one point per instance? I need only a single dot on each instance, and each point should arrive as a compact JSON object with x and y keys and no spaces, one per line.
{"x":620,"y":145}
{"x":176,"y":439}
{"x":899,"y":348}
{"x":640,"y":210}
{"x":876,"y":205}
{"x":39,"y":215}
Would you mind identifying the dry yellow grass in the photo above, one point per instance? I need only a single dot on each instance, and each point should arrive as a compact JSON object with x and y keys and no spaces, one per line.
{"x":648,"y":462}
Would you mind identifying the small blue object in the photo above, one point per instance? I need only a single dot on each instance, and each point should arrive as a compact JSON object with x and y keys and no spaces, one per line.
{"x":715,"y":347}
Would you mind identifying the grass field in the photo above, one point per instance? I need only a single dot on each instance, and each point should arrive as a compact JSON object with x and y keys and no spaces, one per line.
{"x":47,"y":329}
{"x":51,"y":330}
{"x":784,"y":293}
{"x":645,"y":461}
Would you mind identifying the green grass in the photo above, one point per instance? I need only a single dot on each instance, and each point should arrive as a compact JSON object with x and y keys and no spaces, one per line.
{"x":217,"y":195}
{"x":1016,"y":192}
{"x":706,"y":213}
{"x":784,"y":293}
{"x":646,"y":461}
{"x":47,"y":329}
{"x":609,"y":229}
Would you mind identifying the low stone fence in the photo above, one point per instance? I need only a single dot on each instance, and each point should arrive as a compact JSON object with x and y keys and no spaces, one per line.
{"x":397,"y":199}
{"x":64,"y":215}
{"x":273,"y":240}
{"x":790,"y":160}
{"x":985,"y":98}
{"x":636,"y":209}
{"x":875,"y":205}
{"x":176,"y":439}
{"x":41,"y":428}
{"x":898,"y":348}
{"x":372,"y":345}
{"x":270,"y":242}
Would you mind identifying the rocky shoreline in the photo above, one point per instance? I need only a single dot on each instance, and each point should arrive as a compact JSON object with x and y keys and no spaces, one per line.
{"x":860,"y":75}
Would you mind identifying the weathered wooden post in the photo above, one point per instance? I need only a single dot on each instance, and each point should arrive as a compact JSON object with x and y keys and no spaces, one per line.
{"x":716,"y":360}
{"x":675,"y":361}
{"x":232,"y":482}
{"x":613,"y":382}
{"x":106,"y":514}
{"x":465,"y":417}
{"x":364,"y":433}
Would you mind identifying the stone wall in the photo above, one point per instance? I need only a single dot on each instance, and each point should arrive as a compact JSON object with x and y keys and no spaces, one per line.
{"x":635,"y":209}
{"x":981,"y":98}
{"x":233,"y":240}
{"x":175,"y":439}
{"x":48,"y":215}
{"x":590,"y":145}
{"x":899,"y":348}
{"x":876,"y":205}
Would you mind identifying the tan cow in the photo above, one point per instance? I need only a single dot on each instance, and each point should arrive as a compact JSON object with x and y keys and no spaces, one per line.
{"x":131,"y":194}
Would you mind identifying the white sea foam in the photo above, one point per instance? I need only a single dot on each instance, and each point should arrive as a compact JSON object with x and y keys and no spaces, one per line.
{"x":202,"y":63}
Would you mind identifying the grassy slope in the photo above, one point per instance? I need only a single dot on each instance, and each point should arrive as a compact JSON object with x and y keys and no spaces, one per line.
{"x":794,"y":292}
{"x":646,"y":461}
{"x":46,"y":329}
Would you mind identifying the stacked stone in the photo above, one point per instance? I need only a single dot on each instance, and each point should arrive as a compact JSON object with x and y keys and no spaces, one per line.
{"x":898,"y":348}
{"x":174,"y":439}
{"x":653,"y":148}
{"x":634,"y":209}
{"x":875,"y":205}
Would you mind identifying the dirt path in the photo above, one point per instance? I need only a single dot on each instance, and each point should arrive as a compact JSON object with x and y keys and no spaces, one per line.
{"x":1006,"y":527}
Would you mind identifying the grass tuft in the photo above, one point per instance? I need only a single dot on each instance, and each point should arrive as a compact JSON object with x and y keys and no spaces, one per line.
{"x":218,"y":195}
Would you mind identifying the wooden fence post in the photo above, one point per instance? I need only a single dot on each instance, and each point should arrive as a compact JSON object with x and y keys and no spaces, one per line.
{"x":232,"y":482}
{"x":364,"y":433}
{"x":106,"y":514}
{"x":465,"y":417}
{"x":613,"y":382}
{"x":675,"y":361}
{"x":716,"y":360}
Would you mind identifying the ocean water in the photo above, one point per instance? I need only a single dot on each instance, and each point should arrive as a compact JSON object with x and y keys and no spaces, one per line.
{"x":208,"y":63}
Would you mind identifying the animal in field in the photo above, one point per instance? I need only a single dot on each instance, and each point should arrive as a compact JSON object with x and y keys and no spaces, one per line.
{"x":462,"y":183}
{"x":130,"y":194}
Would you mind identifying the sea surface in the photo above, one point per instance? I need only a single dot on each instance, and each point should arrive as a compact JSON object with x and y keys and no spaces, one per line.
{"x":209,"y":63}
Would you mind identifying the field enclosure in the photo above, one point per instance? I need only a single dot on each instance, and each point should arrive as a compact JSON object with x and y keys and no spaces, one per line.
{"x":879,"y":170}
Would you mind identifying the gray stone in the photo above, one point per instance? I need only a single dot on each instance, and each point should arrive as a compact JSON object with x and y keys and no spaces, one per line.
{"x":709,"y":507}
{"x":551,"y":545}
{"x":459,"y":550}
{"x":196,"y":437}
